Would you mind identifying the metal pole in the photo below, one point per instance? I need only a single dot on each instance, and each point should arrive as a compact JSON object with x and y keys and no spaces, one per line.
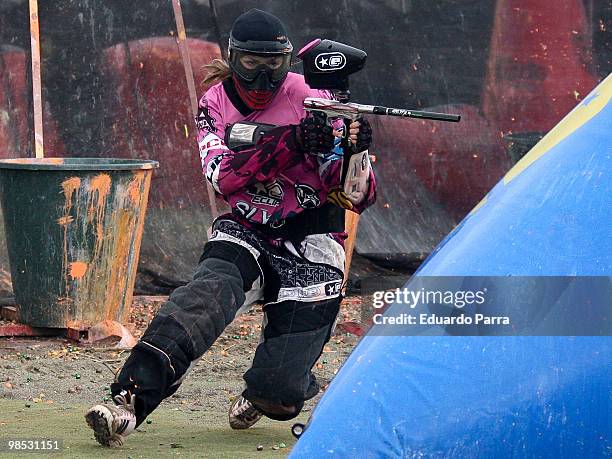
{"x":215,"y":18}
{"x":36,"y":80}
{"x":193,"y":98}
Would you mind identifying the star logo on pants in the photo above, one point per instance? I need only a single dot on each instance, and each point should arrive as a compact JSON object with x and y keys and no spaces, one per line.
{"x":333,"y":288}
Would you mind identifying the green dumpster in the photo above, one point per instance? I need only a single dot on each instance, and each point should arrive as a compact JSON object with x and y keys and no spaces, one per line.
{"x":73,"y":230}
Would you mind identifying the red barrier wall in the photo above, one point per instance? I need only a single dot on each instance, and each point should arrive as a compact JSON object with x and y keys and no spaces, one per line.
{"x":151,"y":116}
{"x":540,"y":64}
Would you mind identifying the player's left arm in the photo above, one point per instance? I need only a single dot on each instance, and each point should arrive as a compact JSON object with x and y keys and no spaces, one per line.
{"x":351,"y":182}
{"x":359,"y":183}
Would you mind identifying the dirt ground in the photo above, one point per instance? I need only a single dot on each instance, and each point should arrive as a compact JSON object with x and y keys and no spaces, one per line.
{"x":47,"y":383}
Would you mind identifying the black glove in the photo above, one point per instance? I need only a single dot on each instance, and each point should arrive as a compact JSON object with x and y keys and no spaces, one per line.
{"x":364,"y":137}
{"x":314,"y":134}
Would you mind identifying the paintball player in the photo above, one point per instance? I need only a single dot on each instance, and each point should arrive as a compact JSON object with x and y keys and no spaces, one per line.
{"x":281,"y":172}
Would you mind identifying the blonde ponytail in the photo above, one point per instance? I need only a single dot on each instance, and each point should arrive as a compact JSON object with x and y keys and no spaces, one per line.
{"x":218,"y":70}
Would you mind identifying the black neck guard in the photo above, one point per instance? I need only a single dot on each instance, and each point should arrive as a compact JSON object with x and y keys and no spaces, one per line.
{"x":232,"y":95}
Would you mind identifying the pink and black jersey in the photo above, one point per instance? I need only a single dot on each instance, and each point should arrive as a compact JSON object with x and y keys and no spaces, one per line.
{"x":272,"y":181}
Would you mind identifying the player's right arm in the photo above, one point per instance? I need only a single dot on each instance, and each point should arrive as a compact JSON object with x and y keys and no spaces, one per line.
{"x":229,"y":171}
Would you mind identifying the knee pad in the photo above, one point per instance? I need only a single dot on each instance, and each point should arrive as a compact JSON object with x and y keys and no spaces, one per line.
{"x":197,"y":313}
{"x":231,"y":259}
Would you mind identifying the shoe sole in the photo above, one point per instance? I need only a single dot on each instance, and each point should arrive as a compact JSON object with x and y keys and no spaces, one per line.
{"x":243,"y":426}
{"x":239,"y":425}
{"x":98,"y":422}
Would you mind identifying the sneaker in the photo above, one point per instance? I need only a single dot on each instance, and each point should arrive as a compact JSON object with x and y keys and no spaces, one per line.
{"x":242,"y":414}
{"x":112,"y":423}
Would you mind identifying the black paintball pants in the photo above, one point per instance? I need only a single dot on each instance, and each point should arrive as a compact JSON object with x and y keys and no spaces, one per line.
{"x":300,"y":285}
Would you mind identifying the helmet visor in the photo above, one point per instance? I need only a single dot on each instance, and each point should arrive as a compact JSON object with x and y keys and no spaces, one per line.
{"x":249,"y":65}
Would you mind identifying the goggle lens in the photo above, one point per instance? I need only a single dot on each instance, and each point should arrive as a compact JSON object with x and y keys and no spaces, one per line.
{"x":249,"y":66}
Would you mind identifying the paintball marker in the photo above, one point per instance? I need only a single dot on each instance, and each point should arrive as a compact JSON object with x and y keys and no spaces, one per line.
{"x":327,"y":65}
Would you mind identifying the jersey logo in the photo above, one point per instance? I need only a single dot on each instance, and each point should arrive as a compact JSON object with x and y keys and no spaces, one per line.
{"x":204,"y":120}
{"x":306,"y":196}
{"x":269,"y":194}
{"x":257,"y":215}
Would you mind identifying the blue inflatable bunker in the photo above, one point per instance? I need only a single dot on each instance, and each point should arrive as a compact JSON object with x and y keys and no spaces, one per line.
{"x":496,"y":396}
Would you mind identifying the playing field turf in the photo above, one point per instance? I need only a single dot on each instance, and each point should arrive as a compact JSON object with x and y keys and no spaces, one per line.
{"x":171,"y":433}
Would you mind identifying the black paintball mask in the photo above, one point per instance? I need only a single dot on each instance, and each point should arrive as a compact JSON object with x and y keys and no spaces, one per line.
{"x":259,"y":56}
